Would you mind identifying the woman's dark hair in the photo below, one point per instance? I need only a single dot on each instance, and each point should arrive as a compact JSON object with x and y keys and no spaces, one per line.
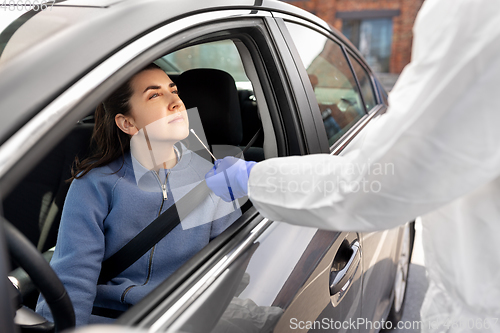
{"x":108,"y":141}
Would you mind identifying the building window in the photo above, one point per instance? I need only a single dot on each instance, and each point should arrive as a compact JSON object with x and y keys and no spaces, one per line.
{"x":373,"y":38}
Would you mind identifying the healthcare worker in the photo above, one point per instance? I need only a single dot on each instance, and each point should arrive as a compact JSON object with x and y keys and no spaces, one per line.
{"x":441,"y":139}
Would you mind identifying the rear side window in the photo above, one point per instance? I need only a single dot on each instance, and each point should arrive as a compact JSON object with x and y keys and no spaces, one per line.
{"x":364,"y":83}
{"x":333,"y":82}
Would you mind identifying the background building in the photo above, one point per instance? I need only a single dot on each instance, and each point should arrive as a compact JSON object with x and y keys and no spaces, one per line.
{"x":380,"y":29}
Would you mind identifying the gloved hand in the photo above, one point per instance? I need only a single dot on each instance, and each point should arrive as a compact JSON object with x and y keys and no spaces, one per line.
{"x":228,"y":178}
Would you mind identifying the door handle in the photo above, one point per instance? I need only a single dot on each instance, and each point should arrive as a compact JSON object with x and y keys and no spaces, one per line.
{"x":342,"y":273}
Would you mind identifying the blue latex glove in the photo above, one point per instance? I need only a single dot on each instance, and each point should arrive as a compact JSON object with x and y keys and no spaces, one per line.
{"x":228,"y":178}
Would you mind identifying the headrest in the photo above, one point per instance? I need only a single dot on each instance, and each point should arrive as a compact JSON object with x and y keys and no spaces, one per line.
{"x":214,"y":93}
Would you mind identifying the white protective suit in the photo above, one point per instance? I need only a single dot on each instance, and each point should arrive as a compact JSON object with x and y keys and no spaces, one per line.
{"x":435,"y":153}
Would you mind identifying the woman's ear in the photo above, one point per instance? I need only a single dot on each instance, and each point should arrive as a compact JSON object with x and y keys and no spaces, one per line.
{"x":125,"y":124}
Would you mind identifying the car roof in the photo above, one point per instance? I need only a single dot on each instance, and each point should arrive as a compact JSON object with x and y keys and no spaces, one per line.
{"x":32,"y":73}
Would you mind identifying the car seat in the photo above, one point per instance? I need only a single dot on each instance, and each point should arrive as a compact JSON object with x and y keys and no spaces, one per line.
{"x":34,"y":207}
{"x":213,"y":92}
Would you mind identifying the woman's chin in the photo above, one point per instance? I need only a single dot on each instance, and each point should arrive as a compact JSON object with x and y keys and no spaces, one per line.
{"x":184,"y":133}
{"x":177,"y":135}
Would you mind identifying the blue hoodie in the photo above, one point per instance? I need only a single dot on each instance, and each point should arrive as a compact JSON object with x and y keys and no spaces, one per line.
{"x":104,"y":210}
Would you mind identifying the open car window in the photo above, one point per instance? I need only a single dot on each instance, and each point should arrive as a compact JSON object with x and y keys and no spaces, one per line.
{"x":92,"y":217}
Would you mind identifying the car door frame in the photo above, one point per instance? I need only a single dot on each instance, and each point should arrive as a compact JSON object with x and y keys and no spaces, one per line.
{"x":160,"y":309}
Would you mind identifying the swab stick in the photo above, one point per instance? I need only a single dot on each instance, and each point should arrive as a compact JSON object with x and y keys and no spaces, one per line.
{"x":192,"y":131}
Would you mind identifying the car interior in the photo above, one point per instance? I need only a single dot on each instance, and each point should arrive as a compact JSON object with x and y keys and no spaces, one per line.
{"x":229,"y":114}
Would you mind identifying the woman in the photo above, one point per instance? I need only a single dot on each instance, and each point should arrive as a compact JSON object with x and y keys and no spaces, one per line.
{"x":138,"y":170}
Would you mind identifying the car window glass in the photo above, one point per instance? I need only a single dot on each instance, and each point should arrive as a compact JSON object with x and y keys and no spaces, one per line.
{"x":221,"y":55}
{"x":334,"y":85}
{"x":383,"y":93}
{"x":365,"y":84}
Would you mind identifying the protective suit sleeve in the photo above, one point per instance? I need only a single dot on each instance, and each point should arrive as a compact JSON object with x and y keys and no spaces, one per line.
{"x":438,"y":140}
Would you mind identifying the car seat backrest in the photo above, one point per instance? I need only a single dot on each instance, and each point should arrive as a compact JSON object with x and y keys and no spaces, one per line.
{"x":173,"y":77}
{"x":250,"y":117}
{"x":76,"y":144}
{"x":34,"y":207}
{"x":214,"y":93}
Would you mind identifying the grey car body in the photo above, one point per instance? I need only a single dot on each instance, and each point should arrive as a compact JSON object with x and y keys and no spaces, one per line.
{"x":57,"y":65}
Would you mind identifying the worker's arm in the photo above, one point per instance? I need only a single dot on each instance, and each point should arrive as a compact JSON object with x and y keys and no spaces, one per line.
{"x":438,"y":141}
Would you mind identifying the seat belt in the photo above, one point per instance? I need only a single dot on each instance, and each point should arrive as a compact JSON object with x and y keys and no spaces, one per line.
{"x":156,"y":230}
{"x":250,"y":143}
{"x":152,"y":234}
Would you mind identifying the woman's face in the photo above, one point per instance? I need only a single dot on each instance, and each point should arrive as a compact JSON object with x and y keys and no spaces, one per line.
{"x":156,"y":107}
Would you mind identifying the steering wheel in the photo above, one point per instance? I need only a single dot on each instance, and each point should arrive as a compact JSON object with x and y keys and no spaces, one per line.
{"x":44,"y":278}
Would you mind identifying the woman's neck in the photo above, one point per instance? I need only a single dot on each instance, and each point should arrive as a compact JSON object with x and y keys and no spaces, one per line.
{"x":154,"y":155}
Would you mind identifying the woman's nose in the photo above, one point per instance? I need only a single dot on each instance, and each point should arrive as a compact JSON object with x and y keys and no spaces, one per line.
{"x":176,"y":105}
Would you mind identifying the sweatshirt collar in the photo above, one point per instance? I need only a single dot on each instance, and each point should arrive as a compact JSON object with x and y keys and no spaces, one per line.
{"x":145,"y":178}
